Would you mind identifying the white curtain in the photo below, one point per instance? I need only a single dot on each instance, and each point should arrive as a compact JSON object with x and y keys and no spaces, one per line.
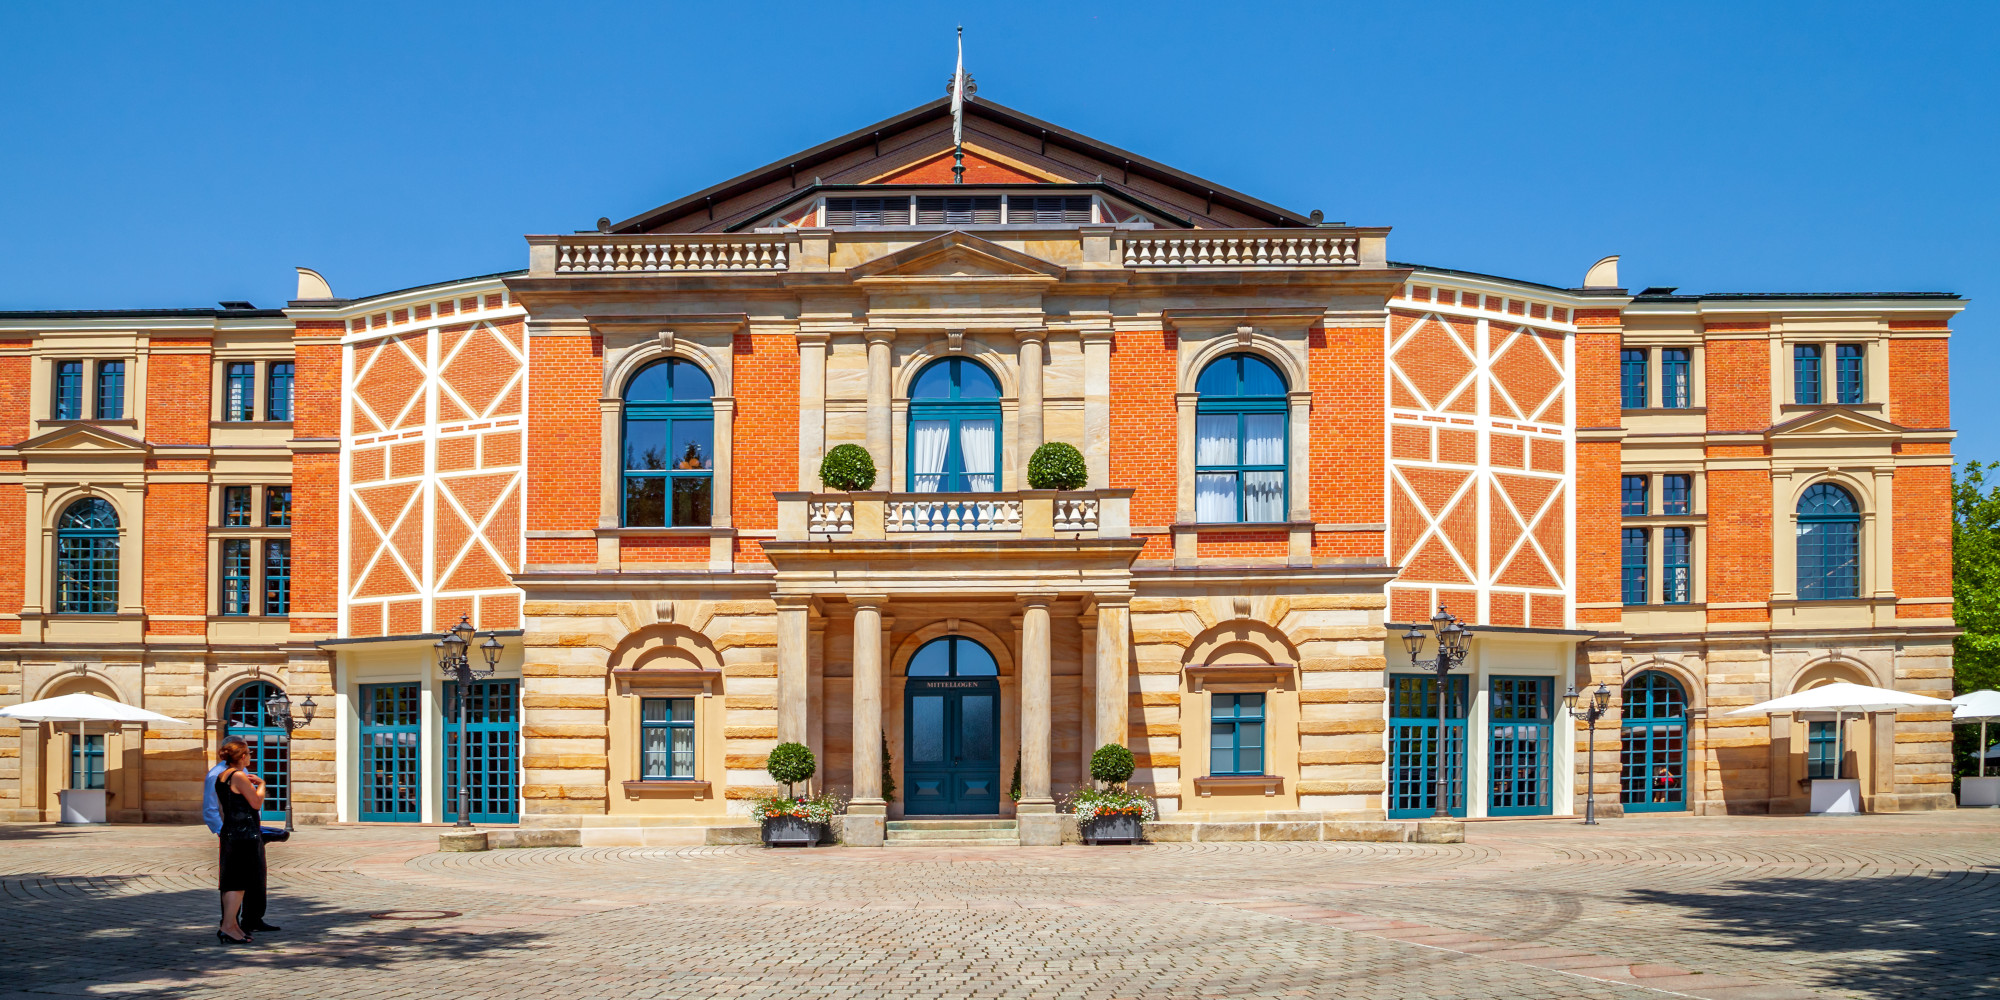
{"x":1263,"y":496}
{"x":1215,"y":439}
{"x":933,"y":440}
{"x":1264,"y":439}
{"x":975,"y":449}
{"x":1215,"y":497}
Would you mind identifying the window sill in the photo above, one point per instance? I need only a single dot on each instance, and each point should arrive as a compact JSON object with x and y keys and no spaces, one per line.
{"x":1668,"y":519}
{"x":252,"y":424}
{"x":1812,"y":407}
{"x":1197,"y":527}
{"x":1272,"y":784}
{"x":1663,"y":411}
{"x":1663,"y":606}
{"x":53,"y":422}
{"x":668,"y":787}
{"x":672,"y":531}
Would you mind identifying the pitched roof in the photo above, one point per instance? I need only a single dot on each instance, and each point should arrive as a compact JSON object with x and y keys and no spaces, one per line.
{"x":896,"y":143}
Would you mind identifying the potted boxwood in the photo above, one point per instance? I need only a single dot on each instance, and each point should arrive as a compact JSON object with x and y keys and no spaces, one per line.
{"x":1113,"y":813}
{"x":848,"y":468}
{"x":790,"y":819}
{"x":1057,"y":465}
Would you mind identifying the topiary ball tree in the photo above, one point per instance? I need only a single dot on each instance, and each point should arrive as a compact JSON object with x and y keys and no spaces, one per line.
{"x":790,"y":763}
{"x":1112,"y":764}
{"x":847,"y":467}
{"x":1057,"y":465}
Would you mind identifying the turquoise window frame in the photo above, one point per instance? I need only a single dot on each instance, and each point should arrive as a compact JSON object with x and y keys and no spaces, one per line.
{"x":955,"y":409}
{"x":493,"y":731}
{"x":270,"y":746}
{"x":1413,"y":736}
{"x":1676,"y":565}
{"x":278,"y":392}
{"x":671,"y":411}
{"x":110,"y":390}
{"x":1807,"y":384}
{"x":1634,"y":550}
{"x":87,"y":559}
{"x":1850,"y":374}
{"x":390,"y":757}
{"x":675,"y":715}
{"x":1823,"y":750}
{"x":278,"y":576}
{"x":1676,"y":381}
{"x":1653,"y":732}
{"x":67,"y":403}
{"x":1633,"y":496}
{"x":1520,"y":743}
{"x":86,"y":761}
{"x":1632,"y":388}
{"x":236,"y":577}
{"x":1829,"y":544}
{"x":1230,"y":718}
{"x":239,"y":399}
{"x":1242,"y":407}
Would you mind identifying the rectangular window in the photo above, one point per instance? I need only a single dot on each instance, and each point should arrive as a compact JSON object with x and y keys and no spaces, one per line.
{"x":1047,"y":210}
{"x":236,"y":576}
{"x":1822,"y":750}
{"x":278,"y":404}
{"x":1847,"y":374}
{"x":111,"y":390}
{"x":1676,"y":565}
{"x":1632,"y":496}
{"x":278,"y":577}
{"x":1633,"y":566}
{"x":1805,"y":374}
{"x":1632,"y":379}
{"x":235,"y":506}
{"x":278,"y":506}
{"x":239,"y":401}
{"x":1676,"y":387}
{"x":1677,"y":494}
{"x":868,"y":211}
{"x":1236,"y":734}
{"x":666,"y":738}
{"x":86,"y":761}
{"x":954,"y":211}
{"x":69,"y":390}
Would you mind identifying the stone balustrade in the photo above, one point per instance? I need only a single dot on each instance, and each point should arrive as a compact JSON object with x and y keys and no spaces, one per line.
{"x":698,"y":252}
{"x":1206,"y":248}
{"x":1021,"y":514}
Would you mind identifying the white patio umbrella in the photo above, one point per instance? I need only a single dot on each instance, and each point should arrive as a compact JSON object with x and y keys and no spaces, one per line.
{"x":1841,"y":698}
{"x":1981,"y":707}
{"x":83,"y":708}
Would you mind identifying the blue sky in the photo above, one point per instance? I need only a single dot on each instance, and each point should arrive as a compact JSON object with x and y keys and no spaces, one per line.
{"x":178,"y":155}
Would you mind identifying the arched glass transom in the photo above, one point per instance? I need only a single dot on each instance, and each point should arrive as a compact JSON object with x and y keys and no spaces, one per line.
{"x":1652,"y":757}
{"x":669,"y":446}
{"x":953,"y":656}
{"x":954,"y":442}
{"x":1241,"y":437}
{"x":244,"y":715}
{"x":87,"y":558}
{"x":1829,"y":537}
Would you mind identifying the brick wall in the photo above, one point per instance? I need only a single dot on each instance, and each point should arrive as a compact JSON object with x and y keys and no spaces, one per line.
{"x":1920,"y":382}
{"x":563,"y":443}
{"x":1597,"y":465}
{"x":766,"y":457}
{"x":15,"y":371}
{"x":1145,"y":429}
{"x":176,"y":561}
{"x":177,"y":391}
{"x":1346,"y":473}
{"x":1923,"y":536}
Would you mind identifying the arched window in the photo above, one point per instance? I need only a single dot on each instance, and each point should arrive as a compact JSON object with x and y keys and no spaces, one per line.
{"x":87,"y":558}
{"x":953,"y":656}
{"x":669,"y":445}
{"x":1829,"y":536}
{"x":244,"y":715}
{"x":1240,"y":441}
{"x":1652,"y":758}
{"x":954,"y":428}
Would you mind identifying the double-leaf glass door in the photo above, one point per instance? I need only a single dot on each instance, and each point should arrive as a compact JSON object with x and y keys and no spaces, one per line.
{"x":951,"y":739}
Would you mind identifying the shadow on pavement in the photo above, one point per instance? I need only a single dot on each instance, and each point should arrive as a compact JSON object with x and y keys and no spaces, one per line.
{"x":1935,"y":935}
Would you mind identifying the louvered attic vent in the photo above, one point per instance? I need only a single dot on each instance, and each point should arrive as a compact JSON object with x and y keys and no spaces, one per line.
{"x":868,"y":211}
{"x":1047,"y":210}
{"x":958,"y":210}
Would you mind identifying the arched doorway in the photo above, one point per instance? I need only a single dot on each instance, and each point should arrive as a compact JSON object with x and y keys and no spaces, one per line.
{"x":270,"y":748}
{"x":1652,"y":757}
{"x":951,"y":730}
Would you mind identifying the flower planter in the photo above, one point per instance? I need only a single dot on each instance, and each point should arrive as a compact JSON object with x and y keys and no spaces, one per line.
{"x":791,"y":831}
{"x":1119,"y":828}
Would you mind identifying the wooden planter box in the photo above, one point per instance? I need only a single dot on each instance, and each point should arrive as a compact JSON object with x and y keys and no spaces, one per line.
{"x":1119,"y":829}
{"x":791,"y":831}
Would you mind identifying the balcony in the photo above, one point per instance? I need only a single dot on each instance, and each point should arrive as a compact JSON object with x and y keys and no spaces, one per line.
{"x":1025,"y":514}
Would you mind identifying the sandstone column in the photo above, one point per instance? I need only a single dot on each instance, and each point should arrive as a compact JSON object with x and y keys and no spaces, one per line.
{"x":1036,"y":813}
{"x":881,"y":422}
{"x":792,"y":612}
{"x":1111,"y":685}
{"x":1033,"y":354}
{"x":866,"y":812}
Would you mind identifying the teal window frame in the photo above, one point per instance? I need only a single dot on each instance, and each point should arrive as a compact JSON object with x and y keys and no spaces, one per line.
{"x":1677,"y":494}
{"x":1635,"y":550}
{"x":87,"y":558}
{"x":236,"y":577}
{"x":67,"y":400}
{"x":1634,"y":499}
{"x":278,"y":576}
{"x":1807,"y":385}
{"x":1676,"y":565}
{"x":390,"y":753}
{"x":1242,"y":407}
{"x":1413,"y":746}
{"x":1676,"y":378}
{"x":493,"y":731}
{"x":86,"y":761}
{"x":110,"y":390}
{"x":244,"y":715}
{"x":1653,"y":731}
{"x":954,"y":409}
{"x":1632,"y":388}
{"x":1822,"y":750}
{"x":1520,"y":745}
{"x":278,"y":392}
{"x":661,"y":720}
{"x":239,"y":399}
{"x":1829,"y":544}
{"x":687,"y":496}
{"x":1237,"y":734}
{"x":1850,"y":374}
{"x":236,"y":506}
{"x":278,"y":506}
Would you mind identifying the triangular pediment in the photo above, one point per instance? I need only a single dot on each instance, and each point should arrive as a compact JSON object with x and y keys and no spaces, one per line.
{"x":1834,"y":421}
{"x":957,"y":256}
{"x":75,"y":438}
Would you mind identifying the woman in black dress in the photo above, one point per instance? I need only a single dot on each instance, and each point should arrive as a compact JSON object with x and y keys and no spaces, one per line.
{"x":241,"y":794}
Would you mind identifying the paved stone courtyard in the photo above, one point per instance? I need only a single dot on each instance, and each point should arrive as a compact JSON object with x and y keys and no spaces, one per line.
{"x":1744,"y":908}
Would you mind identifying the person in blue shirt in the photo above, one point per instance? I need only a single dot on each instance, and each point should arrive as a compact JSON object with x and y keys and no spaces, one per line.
{"x":251,"y":917}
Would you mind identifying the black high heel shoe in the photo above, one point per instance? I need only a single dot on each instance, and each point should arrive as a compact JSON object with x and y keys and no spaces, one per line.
{"x":223,"y":936}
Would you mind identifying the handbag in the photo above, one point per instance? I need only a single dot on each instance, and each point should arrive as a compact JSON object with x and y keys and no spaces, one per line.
{"x":274,"y":834}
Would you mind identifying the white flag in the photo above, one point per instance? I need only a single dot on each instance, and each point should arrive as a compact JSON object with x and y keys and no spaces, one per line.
{"x":958,"y":95}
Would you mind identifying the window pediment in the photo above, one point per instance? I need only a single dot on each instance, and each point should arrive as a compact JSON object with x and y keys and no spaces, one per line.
{"x":85,"y":438}
{"x":1833,"y":421}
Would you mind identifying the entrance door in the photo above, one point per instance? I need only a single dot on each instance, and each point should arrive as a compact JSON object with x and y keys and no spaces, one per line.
{"x":1413,"y":745}
{"x":270,"y":746}
{"x":493,"y":731}
{"x":951,"y":730}
{"x":1652,"y":757}
{"x":389,"y":753}
{"x":1520,"y":745}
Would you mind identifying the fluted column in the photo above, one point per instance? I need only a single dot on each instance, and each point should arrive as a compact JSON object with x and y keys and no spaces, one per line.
{"x":881,"y":418}
{"x":792,"y":636}
{"x":866,"y":812}
{"x":1036,"y":813}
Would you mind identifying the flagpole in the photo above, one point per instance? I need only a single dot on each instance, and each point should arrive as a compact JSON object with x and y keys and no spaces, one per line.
{"x":958,"y":113}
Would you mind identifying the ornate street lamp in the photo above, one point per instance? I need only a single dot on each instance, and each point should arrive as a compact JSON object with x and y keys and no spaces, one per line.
{"x":1600,"y":703}
{"x":278,"y":705}
{"x":457,"y":666}
{"x":1453,"y":640}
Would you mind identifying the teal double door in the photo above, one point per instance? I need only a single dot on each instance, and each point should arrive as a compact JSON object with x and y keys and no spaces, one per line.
{"x":951,"y":740}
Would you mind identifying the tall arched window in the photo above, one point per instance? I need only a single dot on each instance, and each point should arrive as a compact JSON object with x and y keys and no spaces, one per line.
{"x":87,"y":558}
{"x":1240,"y":441}
{"x":1652,"y":758}
{"x":669,"y":445}
{"x":1829,"y":544}
{"x":954,"y":428}
{"x":246,"y":716}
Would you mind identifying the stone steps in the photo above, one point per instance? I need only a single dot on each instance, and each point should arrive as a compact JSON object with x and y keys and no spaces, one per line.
{"x":951,"y":833}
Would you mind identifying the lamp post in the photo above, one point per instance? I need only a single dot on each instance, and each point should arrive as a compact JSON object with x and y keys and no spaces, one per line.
{"x":456,"y":665}
{"x":278,"y":705}
{"x":1600,"y":703}
{"x":1452,"y":641}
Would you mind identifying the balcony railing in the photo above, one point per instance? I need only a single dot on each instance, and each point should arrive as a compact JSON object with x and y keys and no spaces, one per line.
{"x":1024,"y":514}
{"x":593,"y":254}
{"x":1207,"y":249}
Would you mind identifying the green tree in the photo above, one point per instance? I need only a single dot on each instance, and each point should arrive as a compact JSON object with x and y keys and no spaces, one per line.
{"x":1975,"y":595}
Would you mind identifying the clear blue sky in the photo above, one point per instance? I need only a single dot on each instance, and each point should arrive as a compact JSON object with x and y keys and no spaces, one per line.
{"x":170,"y":155}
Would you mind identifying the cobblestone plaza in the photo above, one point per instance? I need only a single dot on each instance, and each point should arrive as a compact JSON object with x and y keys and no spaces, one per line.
{"x":1642,"y":907}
